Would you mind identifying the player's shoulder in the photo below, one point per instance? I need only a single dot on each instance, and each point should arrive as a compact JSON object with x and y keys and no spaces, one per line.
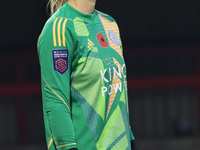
{"x":106,"y":16}
{"x":61,"y":17}
{"x":56,"y":27}
{"x":56,"y":20}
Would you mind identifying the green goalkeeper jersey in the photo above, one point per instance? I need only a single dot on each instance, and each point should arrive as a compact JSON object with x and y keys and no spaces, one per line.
{"x":84,"y":88}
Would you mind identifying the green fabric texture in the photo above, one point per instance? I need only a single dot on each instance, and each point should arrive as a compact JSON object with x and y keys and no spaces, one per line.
{"x":83,"y":77}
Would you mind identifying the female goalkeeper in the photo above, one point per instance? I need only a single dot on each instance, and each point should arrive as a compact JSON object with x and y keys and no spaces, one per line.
{"x":83,"y":75}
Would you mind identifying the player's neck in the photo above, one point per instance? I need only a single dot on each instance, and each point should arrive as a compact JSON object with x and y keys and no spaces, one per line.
{"x":84,"y":6}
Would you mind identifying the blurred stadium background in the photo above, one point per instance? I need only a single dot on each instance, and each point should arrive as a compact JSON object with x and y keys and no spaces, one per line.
{"x":162,"y":50}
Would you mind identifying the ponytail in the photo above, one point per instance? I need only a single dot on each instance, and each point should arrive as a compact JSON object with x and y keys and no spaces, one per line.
{"x":55,"y":5}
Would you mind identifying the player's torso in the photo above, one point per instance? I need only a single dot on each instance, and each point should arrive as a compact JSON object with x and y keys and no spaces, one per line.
{"x":100,"y":68}
{"x":99,"y":79}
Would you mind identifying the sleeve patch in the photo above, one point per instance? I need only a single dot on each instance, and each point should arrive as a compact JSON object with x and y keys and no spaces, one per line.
{"x":60,"y":60}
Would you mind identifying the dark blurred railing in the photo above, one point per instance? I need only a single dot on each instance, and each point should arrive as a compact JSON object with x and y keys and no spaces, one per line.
{"x":164,"y":91}
{"x":14,"y":82}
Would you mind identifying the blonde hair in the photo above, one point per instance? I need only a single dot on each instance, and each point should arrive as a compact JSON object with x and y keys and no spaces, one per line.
{"x":55,"y":5}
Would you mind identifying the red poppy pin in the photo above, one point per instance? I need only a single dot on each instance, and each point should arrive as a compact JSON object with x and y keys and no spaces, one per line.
{"x":102,"y":40}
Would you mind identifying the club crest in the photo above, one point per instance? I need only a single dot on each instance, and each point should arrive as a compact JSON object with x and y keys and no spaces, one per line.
{"x":114,"y":37}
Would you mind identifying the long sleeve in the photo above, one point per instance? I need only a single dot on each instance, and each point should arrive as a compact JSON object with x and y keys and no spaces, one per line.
{"x":55,"y":50}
